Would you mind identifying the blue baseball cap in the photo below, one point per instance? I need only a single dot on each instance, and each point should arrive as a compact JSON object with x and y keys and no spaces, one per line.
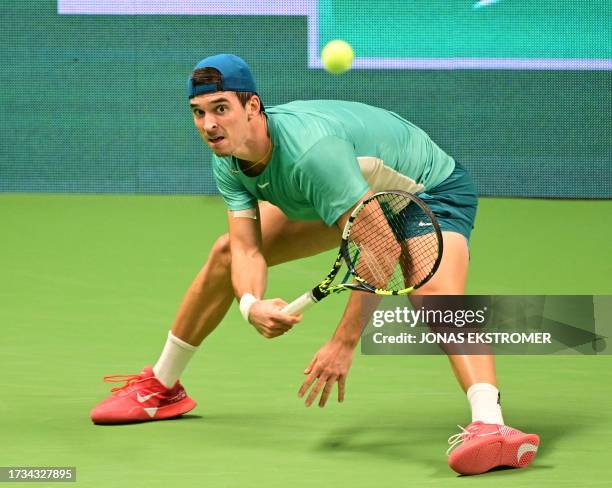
{"x":235,"y":75}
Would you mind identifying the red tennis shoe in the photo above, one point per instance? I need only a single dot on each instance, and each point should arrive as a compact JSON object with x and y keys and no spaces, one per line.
{"x":481,"y":447}
{"x":143,"y":397}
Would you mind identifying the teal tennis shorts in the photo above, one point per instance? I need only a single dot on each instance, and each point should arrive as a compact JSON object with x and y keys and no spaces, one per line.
{"x":454,"y":202}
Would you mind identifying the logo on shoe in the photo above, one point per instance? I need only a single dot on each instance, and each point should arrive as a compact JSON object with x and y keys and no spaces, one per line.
{"x":524,"y":448}
{"x":179,"y":396}
{"x":143,"y":399}
{"x":151,"y":411}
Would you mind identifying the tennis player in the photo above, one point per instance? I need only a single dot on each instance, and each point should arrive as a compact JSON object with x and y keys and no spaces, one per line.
{"x":290,"y":176}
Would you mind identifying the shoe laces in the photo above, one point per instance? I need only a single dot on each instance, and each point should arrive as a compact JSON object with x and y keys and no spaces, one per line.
{"x":127,"y":379}
{"x":465,"y":435}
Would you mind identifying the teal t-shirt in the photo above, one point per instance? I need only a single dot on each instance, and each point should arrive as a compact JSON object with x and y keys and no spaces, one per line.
{"x":326,"y":156}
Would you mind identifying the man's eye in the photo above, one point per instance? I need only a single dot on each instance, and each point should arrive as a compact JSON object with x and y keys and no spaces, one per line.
{"x":221,"y":109}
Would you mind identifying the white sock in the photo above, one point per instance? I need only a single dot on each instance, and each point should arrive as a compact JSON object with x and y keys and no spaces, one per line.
{"x":173,"y":360}
{"x":483,"y":398}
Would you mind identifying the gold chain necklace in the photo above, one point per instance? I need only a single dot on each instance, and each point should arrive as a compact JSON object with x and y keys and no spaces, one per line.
{"x":260,"y":161}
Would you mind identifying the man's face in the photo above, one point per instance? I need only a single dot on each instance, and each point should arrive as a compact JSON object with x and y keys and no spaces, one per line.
{"x":221,"y":120}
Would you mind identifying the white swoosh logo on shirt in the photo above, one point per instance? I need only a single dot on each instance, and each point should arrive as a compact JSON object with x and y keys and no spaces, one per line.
{"x":263,"y":185}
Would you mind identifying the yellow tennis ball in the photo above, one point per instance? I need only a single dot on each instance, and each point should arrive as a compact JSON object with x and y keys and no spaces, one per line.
{"x":337,"y":56}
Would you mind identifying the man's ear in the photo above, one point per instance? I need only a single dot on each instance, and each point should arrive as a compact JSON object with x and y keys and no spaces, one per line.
{"x":253,"y":106}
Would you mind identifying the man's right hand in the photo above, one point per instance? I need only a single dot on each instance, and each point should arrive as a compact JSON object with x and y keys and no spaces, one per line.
{"x":267,"y":318}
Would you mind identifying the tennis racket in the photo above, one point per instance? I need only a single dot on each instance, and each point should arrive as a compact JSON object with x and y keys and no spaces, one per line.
{"x":391,"y":245}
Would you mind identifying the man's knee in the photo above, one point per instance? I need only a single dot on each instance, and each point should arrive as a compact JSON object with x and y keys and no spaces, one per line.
{"x":220,"y":255}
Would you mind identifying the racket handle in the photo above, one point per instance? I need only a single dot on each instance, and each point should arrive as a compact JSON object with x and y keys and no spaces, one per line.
{"x":300,"y":304}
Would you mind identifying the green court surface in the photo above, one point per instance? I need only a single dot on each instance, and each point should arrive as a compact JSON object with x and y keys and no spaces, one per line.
{"x":90,"y":287}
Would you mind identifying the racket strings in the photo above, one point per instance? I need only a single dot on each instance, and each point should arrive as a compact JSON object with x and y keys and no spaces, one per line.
{"x":393,"y":243}
{"x":375,"y":265}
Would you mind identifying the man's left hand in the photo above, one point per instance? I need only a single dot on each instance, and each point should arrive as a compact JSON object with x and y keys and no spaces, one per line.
{"x":330,"y":364}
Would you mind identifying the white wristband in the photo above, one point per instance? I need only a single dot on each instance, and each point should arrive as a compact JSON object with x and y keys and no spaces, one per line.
{"x":246,"y":302}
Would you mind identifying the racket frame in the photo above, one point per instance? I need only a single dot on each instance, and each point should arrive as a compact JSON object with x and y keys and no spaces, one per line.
{"x":325,"y":287}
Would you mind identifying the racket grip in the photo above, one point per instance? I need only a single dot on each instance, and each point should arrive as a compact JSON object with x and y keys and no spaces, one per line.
{"x":300,"y":304}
